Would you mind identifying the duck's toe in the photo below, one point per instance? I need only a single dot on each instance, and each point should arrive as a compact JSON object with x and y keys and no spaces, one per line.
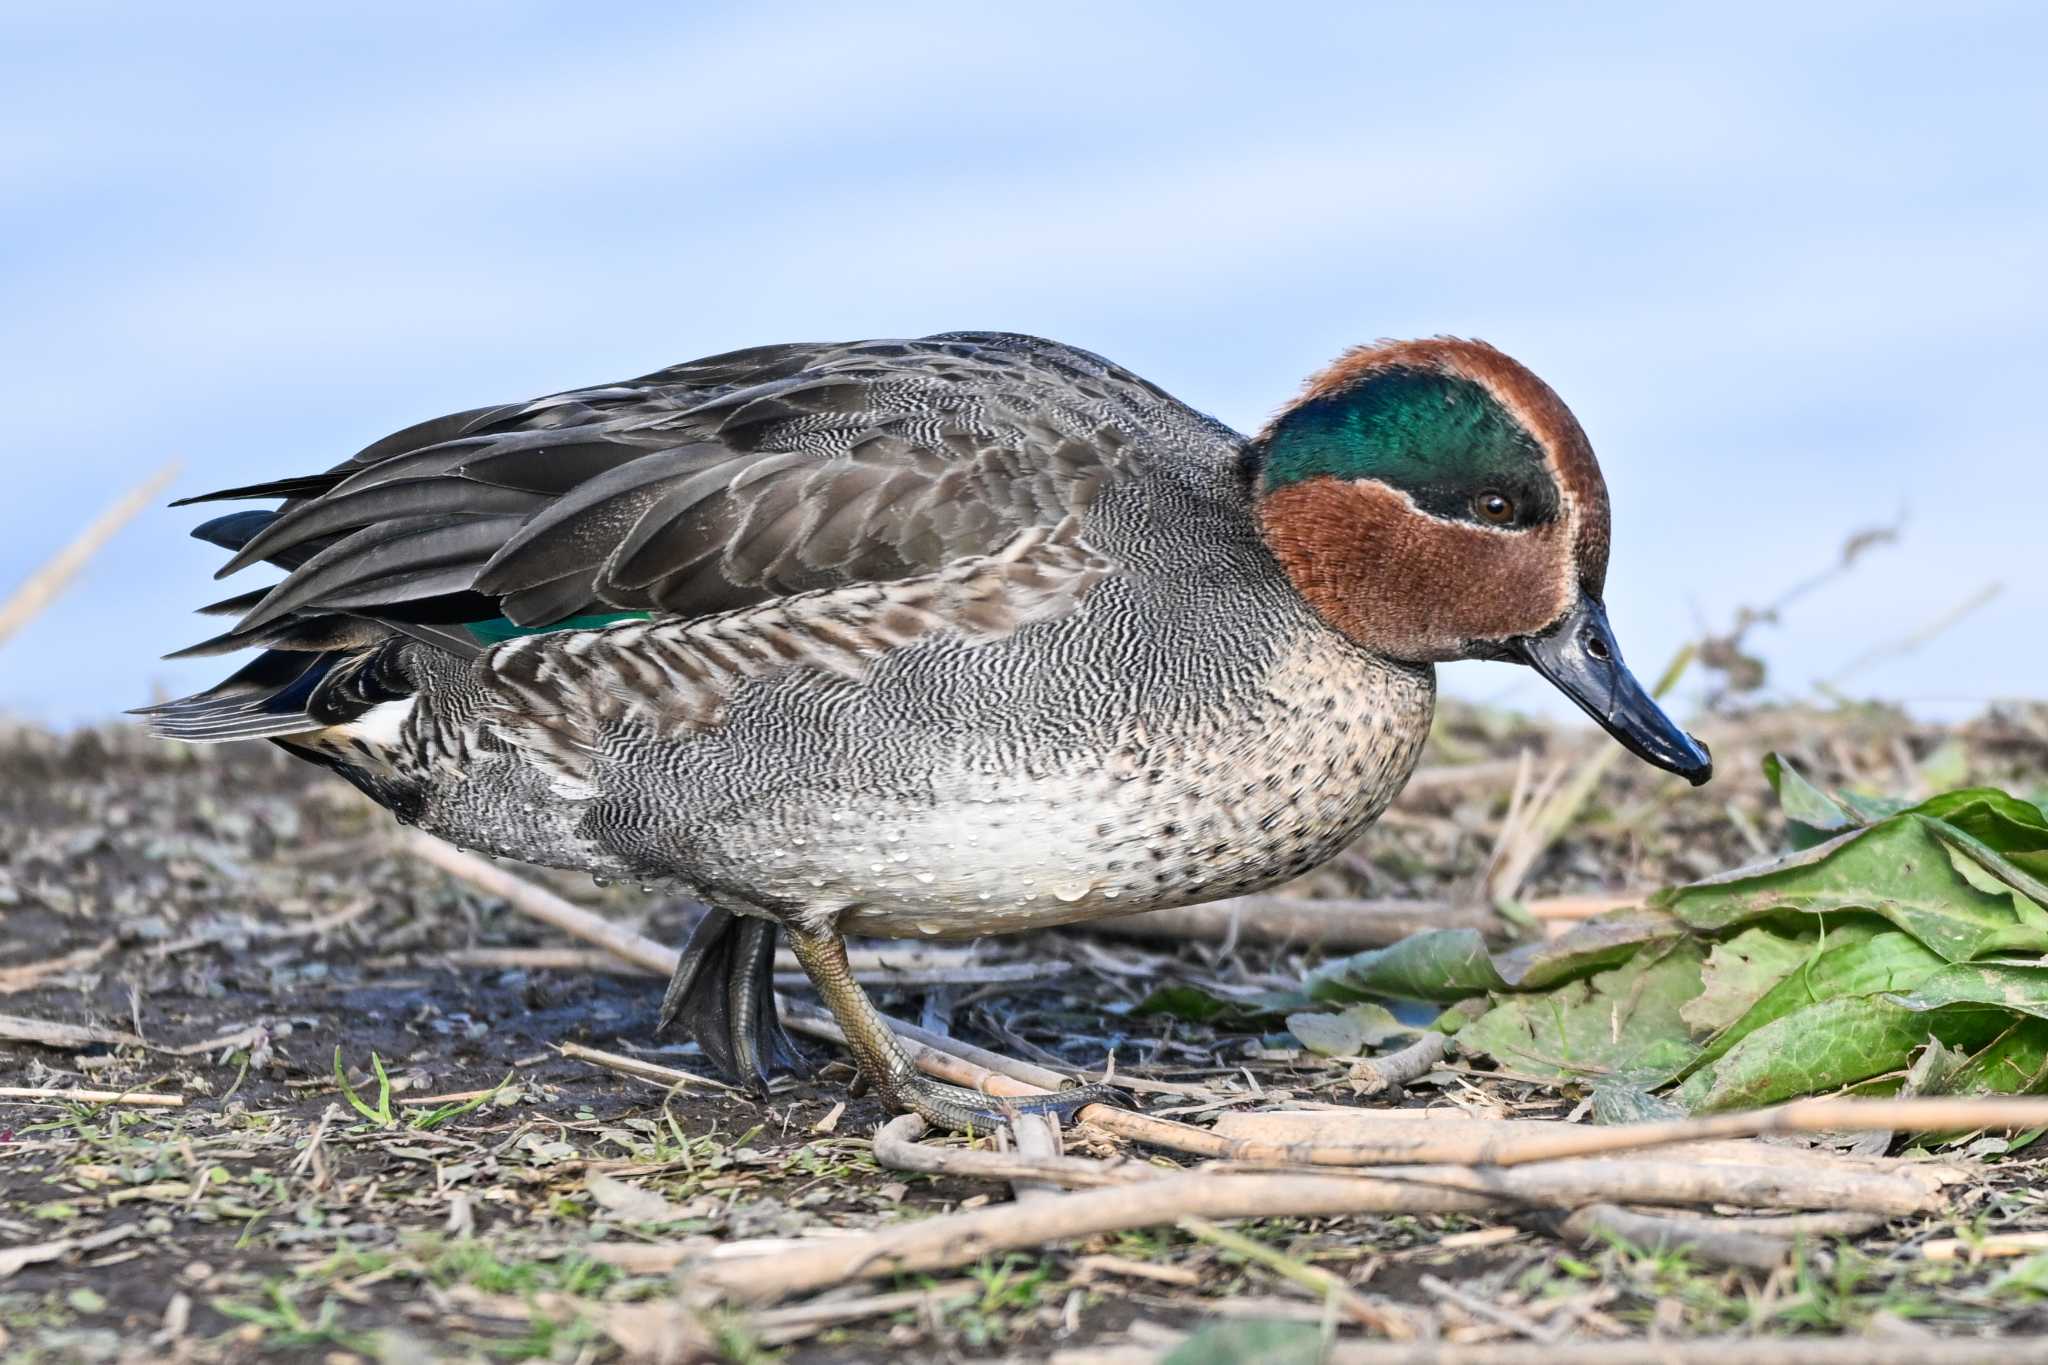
{"x":722,"y":994}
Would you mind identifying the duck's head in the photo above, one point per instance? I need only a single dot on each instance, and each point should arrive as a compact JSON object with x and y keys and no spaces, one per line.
{"x":1434,"y":500}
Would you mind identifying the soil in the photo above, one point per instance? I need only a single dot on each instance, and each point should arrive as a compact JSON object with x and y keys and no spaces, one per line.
{"x":238,"y":926}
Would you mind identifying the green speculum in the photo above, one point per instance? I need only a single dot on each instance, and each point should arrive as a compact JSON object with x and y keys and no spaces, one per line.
{"x":497,"y":630}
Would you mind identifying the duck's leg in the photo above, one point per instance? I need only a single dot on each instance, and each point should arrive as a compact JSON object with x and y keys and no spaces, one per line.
{"x":722,"y":993}
{"x":889,"y":1069}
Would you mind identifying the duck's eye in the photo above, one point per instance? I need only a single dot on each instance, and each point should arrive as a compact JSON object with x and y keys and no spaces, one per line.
{"x":1496,"y":508}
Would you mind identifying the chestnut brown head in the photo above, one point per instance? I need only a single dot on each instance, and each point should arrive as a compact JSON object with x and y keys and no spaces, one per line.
{"x":1434,"y":500}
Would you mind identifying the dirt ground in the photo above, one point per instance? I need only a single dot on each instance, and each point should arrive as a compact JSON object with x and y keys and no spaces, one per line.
{"x":226,"y":927}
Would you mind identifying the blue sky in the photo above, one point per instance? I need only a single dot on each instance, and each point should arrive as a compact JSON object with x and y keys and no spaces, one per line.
{"x":1788,"y":263}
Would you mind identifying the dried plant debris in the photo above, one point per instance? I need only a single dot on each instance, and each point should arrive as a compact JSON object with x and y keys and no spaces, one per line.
{"x":414,"y":1125}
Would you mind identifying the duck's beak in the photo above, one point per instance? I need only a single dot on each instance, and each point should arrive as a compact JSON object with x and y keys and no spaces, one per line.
{"x":1579,"y":655}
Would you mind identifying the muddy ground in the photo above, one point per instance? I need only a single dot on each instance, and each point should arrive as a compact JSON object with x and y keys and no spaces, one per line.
{"x":219,"y":926}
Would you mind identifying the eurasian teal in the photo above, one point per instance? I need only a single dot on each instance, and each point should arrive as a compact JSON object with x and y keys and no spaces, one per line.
{"x":936,"y":638}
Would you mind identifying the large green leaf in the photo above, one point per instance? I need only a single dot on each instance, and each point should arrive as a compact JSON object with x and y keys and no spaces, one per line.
{"x":1739,"y":971}
{"x":1854,"y":960}
{"x":1899,"y":869}
{"x":1452,"y":964}
{"x":1824,"y":1046}
{"x":1623,"y":1022}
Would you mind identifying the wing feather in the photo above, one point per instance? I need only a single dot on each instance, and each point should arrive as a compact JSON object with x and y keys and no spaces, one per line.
{"x":719,"y":483}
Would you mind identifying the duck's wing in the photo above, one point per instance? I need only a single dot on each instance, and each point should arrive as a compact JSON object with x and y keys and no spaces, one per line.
{"x":705,"y":487}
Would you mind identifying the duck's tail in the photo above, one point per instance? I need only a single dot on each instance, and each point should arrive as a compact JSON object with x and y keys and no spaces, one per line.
{"x":344,"y":674}
{"x":265,"y":699}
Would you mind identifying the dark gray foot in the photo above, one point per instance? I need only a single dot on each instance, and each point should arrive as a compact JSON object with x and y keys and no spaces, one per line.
{"x":723,"y":995}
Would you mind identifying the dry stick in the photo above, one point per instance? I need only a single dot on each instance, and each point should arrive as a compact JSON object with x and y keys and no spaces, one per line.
{"x":964,"y":1238}
{"x":537,"y":902}
{"x":1564,"y":1184}
{"x":1515,"y":1144}
{"x":1434,"y":1135}
{"x":1037,"y":1137}
{"x":1989,"y":1246}
{"x":1213,"y":1192}
{"x":519,"y":960}
{"x":41,"y":587}
{"x":1565,"y":909}
{"x":1374,"y":1075}
{"x":638,"y":1068}
{"x":1479,"y":1308}
{"x":1315,"y":1279}
{"x":1283,"y":919}
{"x":1714,"y":1351}
{"x":18,"y":1029}
{"x":868,"y":965}
{"x":1916,"y":1115}
{"x":138,"y":1098}
{"x":27,"y":975}
{"x":896,"y":1147}
{"x":1723,"y":1241}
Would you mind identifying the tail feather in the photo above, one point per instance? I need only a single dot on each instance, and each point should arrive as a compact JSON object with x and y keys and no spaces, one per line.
{"x":265,"y":698}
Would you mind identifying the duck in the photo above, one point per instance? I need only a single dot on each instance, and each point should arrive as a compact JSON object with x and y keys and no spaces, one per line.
{"x":969,"y":634}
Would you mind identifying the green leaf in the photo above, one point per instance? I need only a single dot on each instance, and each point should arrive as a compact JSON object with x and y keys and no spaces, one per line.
{"x":1933,"y":1070}
{"x":2015,"y":829}
{"x":1739,"y":971}
{"x":1623,"y":1022}
{"x":1811,"y":815}
{"x":1181,"y":1000}
{"x":434,"y":1118}
{"x":2027,"y":1280}
{"x":381,"y":1115}
{"x":1899,"y":870}
{"x":2013,"y":1063}
{"x":1823,"y":1047}
{"x":1451,"y":964}
{"x":1349,"y":1032}
{"x":1993,"y":985}
{"x":1853,"y":960}
{"x":1232,"y":1343}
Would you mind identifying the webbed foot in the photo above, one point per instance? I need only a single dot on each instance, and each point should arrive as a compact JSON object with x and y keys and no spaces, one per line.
{"x":722,"y":994}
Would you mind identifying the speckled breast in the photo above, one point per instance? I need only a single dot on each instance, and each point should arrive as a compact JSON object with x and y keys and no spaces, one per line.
{"x":1255,"y":786}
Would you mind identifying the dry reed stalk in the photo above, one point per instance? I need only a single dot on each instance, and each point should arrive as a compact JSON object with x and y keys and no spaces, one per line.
{"x":41,"y":588}
{"x":640,"y":1069}
{"x":1723,"y":1241}
{"x":897,"y":1148}
{"x":140,"y":1099}
{"x":1373,"y":1136}
{"x":1746,"y":1350}
{"x":1345,"y":924}
{"x":1218,"y":1192}
{"x":1377,"y":1075}
{"x":537,"y":902}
